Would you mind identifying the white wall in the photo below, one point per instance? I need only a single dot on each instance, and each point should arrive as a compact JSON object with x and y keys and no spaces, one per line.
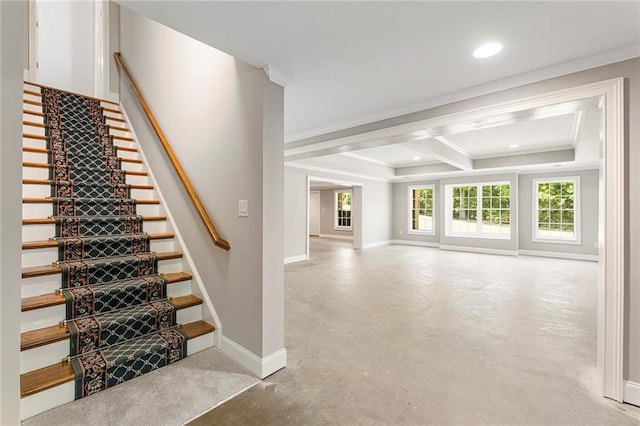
{"x":224,"y":120}
{"x":295,"y":214}
{"x":66,"y":45}
{"x":11,"y":73}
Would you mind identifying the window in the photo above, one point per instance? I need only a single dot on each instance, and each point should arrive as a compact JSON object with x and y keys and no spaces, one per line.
{"x":343,"y":210}
{"x":555,"y":210}
{"x":421,"y":219}
{"x":479,"y":210}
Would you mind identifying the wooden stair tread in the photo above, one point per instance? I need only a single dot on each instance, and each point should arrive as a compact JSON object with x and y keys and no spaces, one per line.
{"x":45,"y":378}
{"x":197,"y":329}
{"x":38,"y":113}
{"x":57,"y":333}
{"x":48,"y":182}
{"x":65,"y":91}
{"x":49,"y":201}
{"x":53,"y":299}
{"x":187,"y":301}
{"x":49,"y":221}
{"x":41,"y":125}
{"x":38,"y":271}
{"x":31,"y":245}
{"x":57,"y":374}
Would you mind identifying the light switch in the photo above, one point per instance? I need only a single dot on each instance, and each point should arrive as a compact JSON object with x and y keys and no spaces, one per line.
{"x":243,"y":208}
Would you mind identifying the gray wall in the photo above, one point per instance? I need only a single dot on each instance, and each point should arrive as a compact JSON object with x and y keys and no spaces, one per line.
{"x":221,"y":116}
{"x":401,"y":214}
{"x":630,"y":71}
{"x":295,"y":214}
{"x":11,"y":29}
{"x":327,"y":214}
{"x":589,"y":203}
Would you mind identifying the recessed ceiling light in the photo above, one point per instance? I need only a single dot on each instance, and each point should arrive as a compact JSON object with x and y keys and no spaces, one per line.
{"x":417,"y":158}
{"x":514,"y":145}
{"x":487,"y":49}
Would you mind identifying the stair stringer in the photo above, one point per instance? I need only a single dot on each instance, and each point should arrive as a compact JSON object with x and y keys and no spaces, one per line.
{"x":209,"y":313}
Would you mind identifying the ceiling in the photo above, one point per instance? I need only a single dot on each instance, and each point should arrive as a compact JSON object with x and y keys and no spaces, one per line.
{"x":345,"y":64}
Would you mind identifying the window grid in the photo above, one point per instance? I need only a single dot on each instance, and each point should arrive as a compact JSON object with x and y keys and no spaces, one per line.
{"x":343,"y":210}
{"x":480,"y":209}
{"x":556,"y":210}
{"x":421,"y":209}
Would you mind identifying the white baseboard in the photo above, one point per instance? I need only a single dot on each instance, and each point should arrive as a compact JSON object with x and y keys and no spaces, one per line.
{"x":415,"y":243}
{"x":480,"y":250}
{"x":293,"y":259}
{"x":261,"y":367}
{"x":631,"y":392}
{"x":337,"y":237}
{"x":559,"y":255}
{"x":376,"y":244}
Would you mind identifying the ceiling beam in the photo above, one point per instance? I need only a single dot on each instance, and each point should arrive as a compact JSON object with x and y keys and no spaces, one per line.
{"x":547,"y":157}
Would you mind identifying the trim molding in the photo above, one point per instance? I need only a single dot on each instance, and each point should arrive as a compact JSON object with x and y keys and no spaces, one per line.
{"x":337,"y":237}
{"x":293,"y":259}
{"x":415,"y":243}
{"x":631,"y":392}
{"x":261,"y":367}
{"x":480,"y":250}
{"x":376,"y":244}
{"x":560,"y":255}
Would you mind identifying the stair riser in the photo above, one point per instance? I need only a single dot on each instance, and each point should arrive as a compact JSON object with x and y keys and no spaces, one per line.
{"x":41,"y":173}
{"x":46,"y":256}
{"x":35,"y":157}
{"x":40,"y":210}
{"x":62,"y":394}
{"x":37,"y":286}
{"x":43,"y":191}
{"x":46,"y":317}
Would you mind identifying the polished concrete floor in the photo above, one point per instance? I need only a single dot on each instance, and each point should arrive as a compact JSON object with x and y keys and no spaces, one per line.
{"x":410,"y":335}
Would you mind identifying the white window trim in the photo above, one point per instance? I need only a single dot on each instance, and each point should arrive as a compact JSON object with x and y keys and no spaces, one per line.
{"x":449,"y":212}
{"x":410,"y":229}
{"x":577,"y":214}
{"x":335,"y":210}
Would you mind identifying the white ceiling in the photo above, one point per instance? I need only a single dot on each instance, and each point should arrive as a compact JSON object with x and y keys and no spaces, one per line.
{"x":353,"y":62}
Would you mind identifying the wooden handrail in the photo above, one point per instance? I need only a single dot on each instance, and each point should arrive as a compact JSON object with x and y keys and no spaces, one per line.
{"x":217,"y":239}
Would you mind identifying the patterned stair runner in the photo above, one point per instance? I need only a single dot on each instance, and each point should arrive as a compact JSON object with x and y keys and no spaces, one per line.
{"x":119,"y":318}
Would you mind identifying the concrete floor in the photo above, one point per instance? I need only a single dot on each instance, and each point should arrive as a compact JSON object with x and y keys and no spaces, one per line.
{"x":411,"y":335}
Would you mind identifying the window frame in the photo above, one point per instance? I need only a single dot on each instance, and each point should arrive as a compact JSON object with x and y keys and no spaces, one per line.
{"x":485,"y":235}
{"x":410,"y":229}
{"x":577,"y":214}
{"x":337,"y":227}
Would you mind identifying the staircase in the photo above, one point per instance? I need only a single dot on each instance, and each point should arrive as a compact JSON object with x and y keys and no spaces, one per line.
{"x":106,"y":295}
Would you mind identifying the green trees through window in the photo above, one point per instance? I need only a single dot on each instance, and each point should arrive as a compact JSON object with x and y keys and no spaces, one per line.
{"x":556,"y":209}
{"x":480,"y":208}
{"x":343,"y":210}
{"x":421,"y":209}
